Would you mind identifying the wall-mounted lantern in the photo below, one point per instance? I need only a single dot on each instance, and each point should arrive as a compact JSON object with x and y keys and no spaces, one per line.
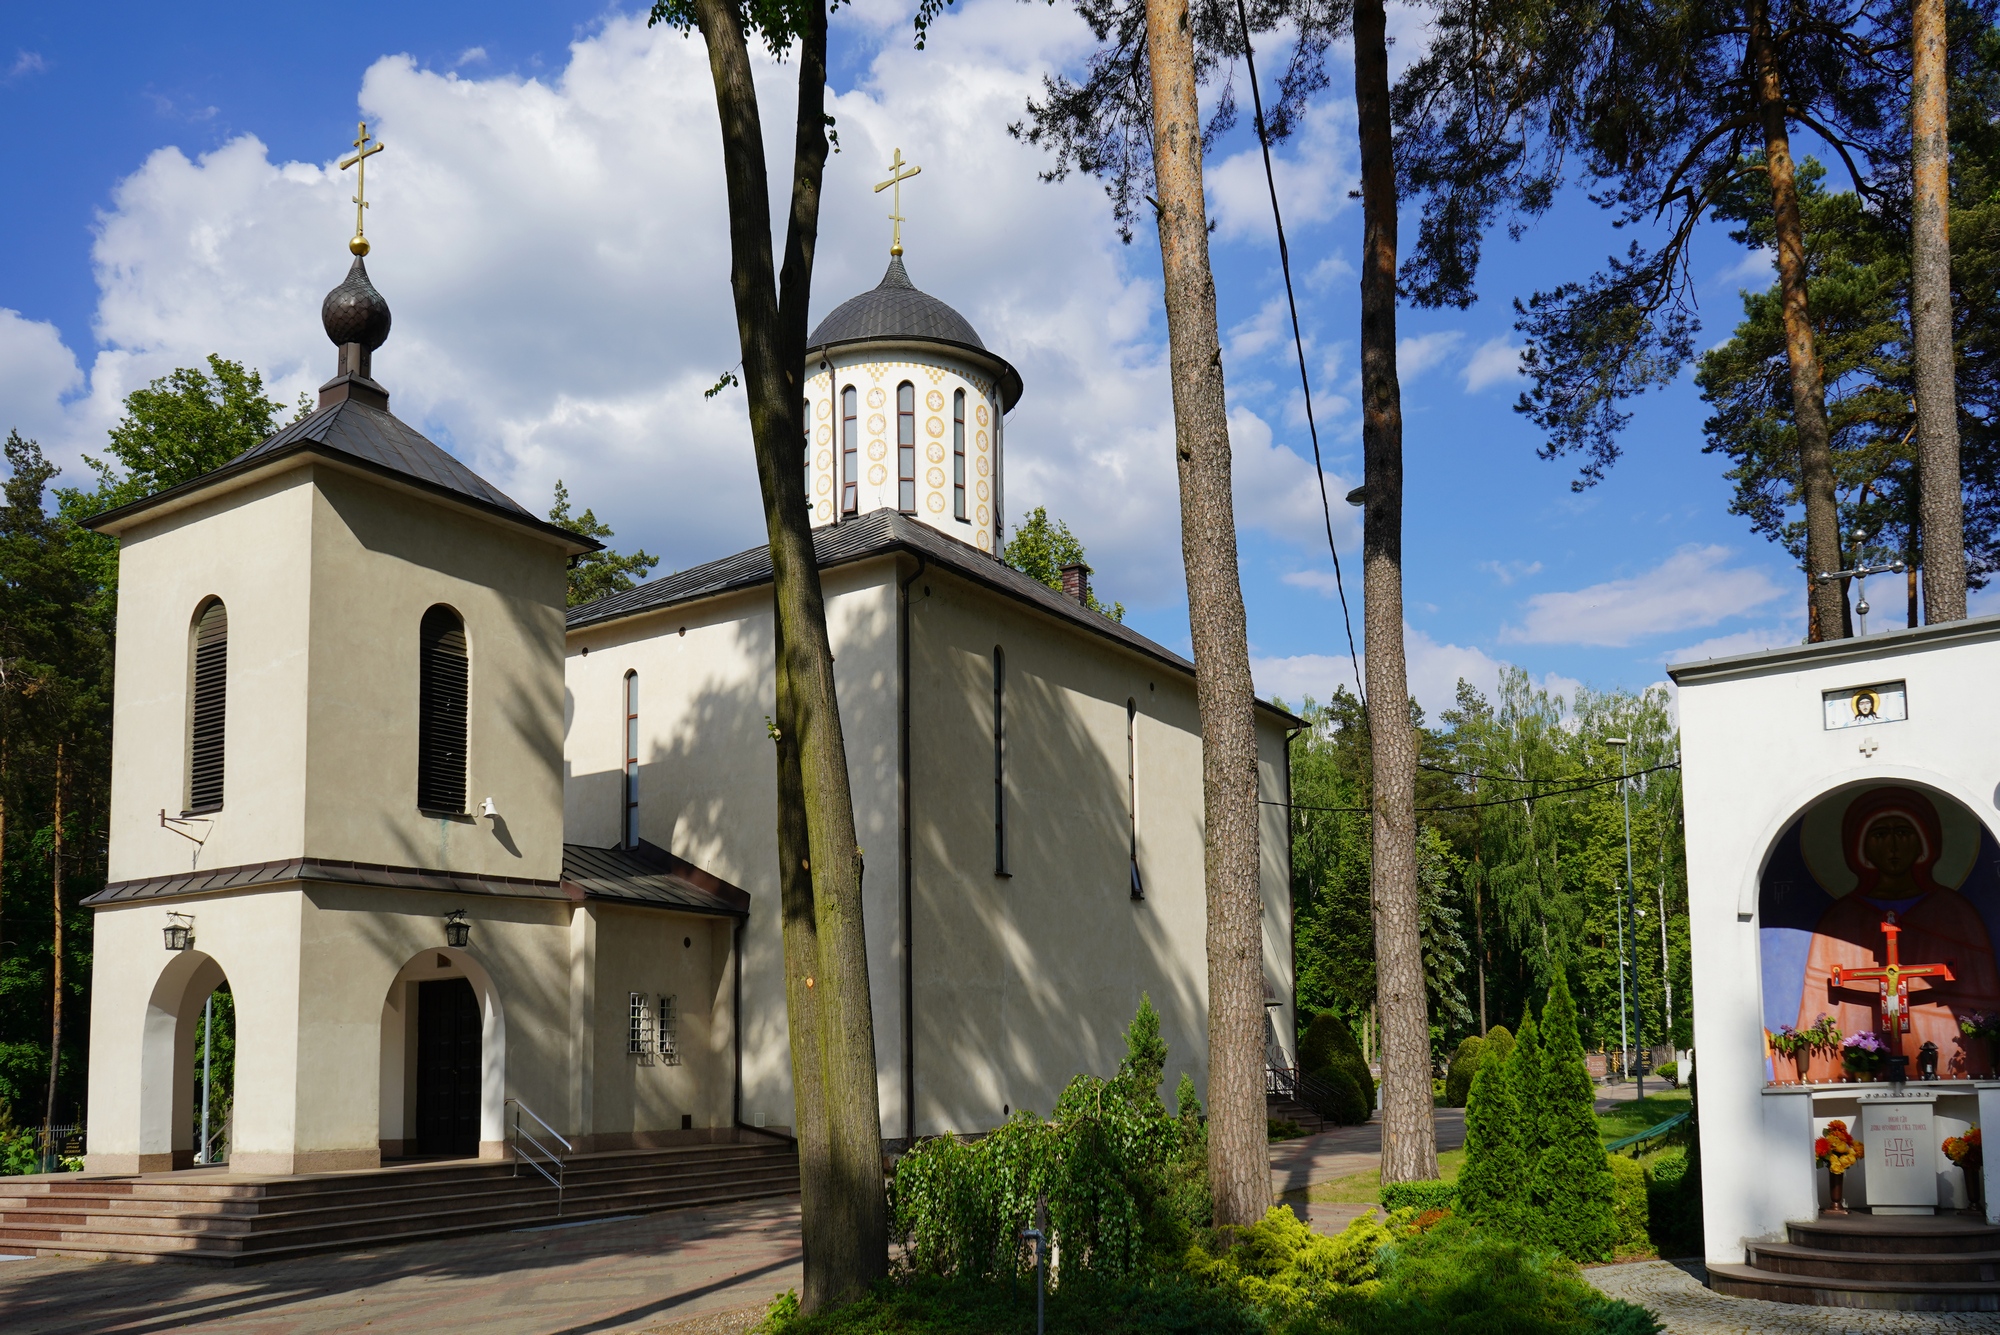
{"x":457,"y":931}
{"x":179,"y":931}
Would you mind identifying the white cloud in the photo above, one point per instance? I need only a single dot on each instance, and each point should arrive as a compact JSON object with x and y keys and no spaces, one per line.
{"x":1419,"y":353}
{"x":1507,"y":572}
{"x":472,"y":55}
{"x":1737,"y":642}
{"x":36,"y":371}
{"x":1756,"y":266}
{"x":1314,"y":172}
{"x":1690,"y":589}
{"x":1433,"y":671}
{"x":25,"y":63}
{"x":1493,"y":361}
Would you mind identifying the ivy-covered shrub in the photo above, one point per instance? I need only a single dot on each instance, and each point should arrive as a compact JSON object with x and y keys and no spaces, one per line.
{"x":1422,"y":1197}
{"x":1123,"y":1178}
{"x":1629,"y":1207}
{"x":1464,"y":1065}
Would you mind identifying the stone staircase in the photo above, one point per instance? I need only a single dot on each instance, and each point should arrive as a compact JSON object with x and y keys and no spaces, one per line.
{"x":1904,"y":1263}
{"x":210,"y":1216}
{"x":1284,"y":1106}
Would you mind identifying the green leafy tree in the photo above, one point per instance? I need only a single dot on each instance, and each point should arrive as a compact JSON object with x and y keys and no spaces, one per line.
{"x":601,"y":573}
{"x":1493,"y":1184}
{"x":1572,"y":1191}
{"x":1041,"y":547}
{"x":1145,"y":1063}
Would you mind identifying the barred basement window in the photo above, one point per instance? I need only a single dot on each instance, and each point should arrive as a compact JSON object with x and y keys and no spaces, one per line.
{"x":670,"y":1032}
{"x":639,"y":1038}
{"x":444,"y":683}
{"x":208,"y":699}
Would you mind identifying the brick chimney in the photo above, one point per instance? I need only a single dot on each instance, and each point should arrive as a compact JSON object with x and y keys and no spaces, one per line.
{"x":1076,"y":582}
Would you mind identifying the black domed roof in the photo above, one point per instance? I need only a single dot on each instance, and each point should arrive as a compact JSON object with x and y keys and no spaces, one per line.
{"x":355,"y":312}
{"x":894,"y":309}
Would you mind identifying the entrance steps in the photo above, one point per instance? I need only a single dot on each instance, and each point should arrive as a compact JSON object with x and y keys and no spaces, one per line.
{"x":1904,"y":1263}
{"x":1283,"y":1106}
{"x":212,"y":1216}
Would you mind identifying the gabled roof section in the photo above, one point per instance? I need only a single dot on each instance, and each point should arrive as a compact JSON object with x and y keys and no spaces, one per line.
{"x":878,"y":533}
{"x":379,"y":442}
{"x":648,"y":876}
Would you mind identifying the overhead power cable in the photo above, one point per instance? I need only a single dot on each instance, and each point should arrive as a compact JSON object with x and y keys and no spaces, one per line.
{"x":1298,"y":341}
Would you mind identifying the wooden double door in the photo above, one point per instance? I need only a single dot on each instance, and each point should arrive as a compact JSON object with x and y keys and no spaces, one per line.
{"x":448,"y":1029}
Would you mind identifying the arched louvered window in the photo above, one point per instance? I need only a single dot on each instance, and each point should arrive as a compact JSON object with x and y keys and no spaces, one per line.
{"x":631,"y":760}
{"x":443,"y":700}
{"x":906,"y":448}
{"x":999,"y":762}
{"x":850,"y":452}
{"x":208,"y":707}
{"x":958,"y":455}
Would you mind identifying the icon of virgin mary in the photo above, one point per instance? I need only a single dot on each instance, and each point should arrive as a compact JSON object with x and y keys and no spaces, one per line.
{"x":1891,"y":839}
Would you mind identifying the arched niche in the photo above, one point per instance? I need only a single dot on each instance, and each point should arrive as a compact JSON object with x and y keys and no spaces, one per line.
{"x":167,"y":1058}
{"x":1832,"y":876}
{"x":400,"y":1054}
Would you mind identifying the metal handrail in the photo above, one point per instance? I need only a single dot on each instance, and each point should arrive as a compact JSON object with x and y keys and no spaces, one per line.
{"x":1648,"y":1134}
{"x":554,"y":1179}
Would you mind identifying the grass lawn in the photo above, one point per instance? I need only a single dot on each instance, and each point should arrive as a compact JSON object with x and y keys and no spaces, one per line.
{"x":1365,"y":1188}
{"x":1635,"y":1116}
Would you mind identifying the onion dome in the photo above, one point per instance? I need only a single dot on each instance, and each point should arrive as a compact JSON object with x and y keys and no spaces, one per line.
{"x":895,"y":311}
{"x":355,"y":312}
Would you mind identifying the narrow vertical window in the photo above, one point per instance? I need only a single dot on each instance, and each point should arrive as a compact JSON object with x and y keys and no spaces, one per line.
{"x":1132,"y":790}
{"x":999,"y":762}
{"x":999,"y":525}
{"x":958,"y":455}
{"x":639,"y":1025}
{"x":906,"y":448}
{"x":631,"y":760}
{"x":444,"y":682}
{"x":670,"y":1032}
{"x":850,"y":453}
{"x":806,"y":447}
{"x":208,"y":692}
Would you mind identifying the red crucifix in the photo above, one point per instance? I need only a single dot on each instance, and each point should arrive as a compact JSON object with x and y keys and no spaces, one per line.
{"x":1894,"y":980}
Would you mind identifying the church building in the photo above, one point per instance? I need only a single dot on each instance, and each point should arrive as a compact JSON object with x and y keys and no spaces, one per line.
{"x":461,"y":854}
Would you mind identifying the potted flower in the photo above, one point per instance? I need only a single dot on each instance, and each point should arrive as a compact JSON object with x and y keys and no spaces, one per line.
{"x":1823,"y":1036}
{"x":1836,"y":1151}
{"x":1863,"y":1054}
{"x":1981,"y":1025}
{"x":1966,"y":1152}
{"x":1792,"y":1043}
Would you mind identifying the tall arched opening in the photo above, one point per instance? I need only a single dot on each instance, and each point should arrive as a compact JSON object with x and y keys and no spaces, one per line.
{"x":191,"y":992}
{"x":444,"y":1060}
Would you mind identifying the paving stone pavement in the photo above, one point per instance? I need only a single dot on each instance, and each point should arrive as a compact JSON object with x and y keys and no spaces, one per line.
{"x":688,"y":1272}
{"x":1676,"y":1294}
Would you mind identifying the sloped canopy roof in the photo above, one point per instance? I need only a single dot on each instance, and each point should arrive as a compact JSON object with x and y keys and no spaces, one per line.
{"x":648,"y":876}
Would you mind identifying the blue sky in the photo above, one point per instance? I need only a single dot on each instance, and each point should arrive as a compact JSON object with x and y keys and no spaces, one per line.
{"x":548,"y":225}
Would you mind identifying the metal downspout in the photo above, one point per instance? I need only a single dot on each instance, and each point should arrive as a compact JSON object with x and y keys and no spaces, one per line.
{"x":903,"y":797}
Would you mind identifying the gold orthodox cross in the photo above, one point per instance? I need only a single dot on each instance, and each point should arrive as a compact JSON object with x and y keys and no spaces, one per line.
{"x":896,"y":178}
{"x":364,"y":148}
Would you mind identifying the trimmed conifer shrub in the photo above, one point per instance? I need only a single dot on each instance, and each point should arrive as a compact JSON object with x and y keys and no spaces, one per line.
{"x":1524,"y":1073}
{"x":1629,"y":1204}
{"x":1464,"y":1065}
{"x":1493,"y":1185}
{"x":1571,"y":1193}
{"x":1341,"y":1101}
{"x":1499,"y":1044}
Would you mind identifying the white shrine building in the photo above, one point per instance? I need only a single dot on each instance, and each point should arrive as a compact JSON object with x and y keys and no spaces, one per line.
{"x":450,"y":844}
{"x":1831,"y":789}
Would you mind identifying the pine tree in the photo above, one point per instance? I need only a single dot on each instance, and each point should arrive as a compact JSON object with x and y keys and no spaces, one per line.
{"x":1570,"y":1184}
{"x":1145,"y":1063}
{"x":1493,"y":1185}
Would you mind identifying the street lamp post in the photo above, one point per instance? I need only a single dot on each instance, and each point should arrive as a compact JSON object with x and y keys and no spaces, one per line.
{"x":1631,"y":905}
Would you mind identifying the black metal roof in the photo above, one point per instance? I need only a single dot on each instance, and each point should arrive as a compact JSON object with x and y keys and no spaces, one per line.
{"x":649,"y":876}
{"x":378,"y":441}
{"x":877,"y":533}
{"x":895,"y":310}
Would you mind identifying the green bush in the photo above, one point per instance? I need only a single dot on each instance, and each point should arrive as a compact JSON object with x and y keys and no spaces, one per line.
{"x":1122,"y":1176}
{"x":1571,"y":1186}
{"x":1339,"y":1100}
{"x":1152,"y":1304}
{"x":1673,"y":1204}
{"x":1420,"y":1196}
{"x":1629,"y":1204}
{"x":1325,"y":1034}
{"x":1464,"y":1065}
{"x":1282,"y":1267}
{"x":1493,"y":1185}
{"x":1455,"y":1279}
{"x":1669,"y":1072}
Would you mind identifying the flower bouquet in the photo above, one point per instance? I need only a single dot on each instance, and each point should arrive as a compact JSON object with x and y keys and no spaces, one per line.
{"x":1863,"y":1054}
{"x":1836,"y":1151}
{"x":1824,"y":1035}
{"x":1967,"y":1153}
{"x":1981,"y":1025}
{"x":1792,"y":1043}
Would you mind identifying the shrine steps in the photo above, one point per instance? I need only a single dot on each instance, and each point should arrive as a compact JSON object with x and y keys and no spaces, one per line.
{"x":1905,"y":1263}
{"x":1281,"y":1107}
{"x":214,"y":1218}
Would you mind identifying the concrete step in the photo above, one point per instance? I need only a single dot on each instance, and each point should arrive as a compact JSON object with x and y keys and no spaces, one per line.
{"x":1743,"y":1281}
{"x":1908,"y":1267}
{"x":1918,"y":1234}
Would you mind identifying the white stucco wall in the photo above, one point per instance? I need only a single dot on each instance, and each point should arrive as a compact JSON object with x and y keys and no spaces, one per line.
{"x":1756,"y":753}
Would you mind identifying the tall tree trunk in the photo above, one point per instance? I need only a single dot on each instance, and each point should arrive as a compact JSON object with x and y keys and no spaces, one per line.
{"x":1829,"y":597}
{"x":1409,"y":1140}
{"x":1942,"y":504}
{"x":844,"y":1208}
{"x":55,"y":1036}
{"x":1238,"y":1130}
